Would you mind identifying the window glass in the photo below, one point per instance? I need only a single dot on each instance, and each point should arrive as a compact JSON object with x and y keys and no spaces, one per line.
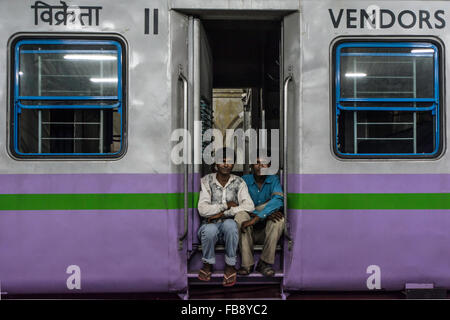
{"x":386,"y":132}
{"x":68,"y":70}
{"x":387,"y":99}
{"x":69,"y":131}
{"x":68,"y":98}
{"x":387,"y":77}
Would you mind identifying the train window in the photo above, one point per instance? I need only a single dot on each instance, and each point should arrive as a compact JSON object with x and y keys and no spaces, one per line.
{"x":68,"y":98}
{"x":387,"y":100}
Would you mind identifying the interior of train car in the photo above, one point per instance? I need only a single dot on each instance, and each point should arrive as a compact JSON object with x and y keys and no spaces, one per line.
{"x":246,"y":76}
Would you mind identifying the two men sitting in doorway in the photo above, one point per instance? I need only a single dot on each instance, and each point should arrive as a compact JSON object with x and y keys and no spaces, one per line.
{"x":227,"y":207}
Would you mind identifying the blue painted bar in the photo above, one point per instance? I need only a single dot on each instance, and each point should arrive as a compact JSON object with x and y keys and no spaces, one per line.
{"x":67,"y":98}
{"x":116,"y":105}
{"x":67,"y":42}
{"x":388,"y":100}
{"x":386,"y":54}
{"x":416,"y":109}
{"x":387,"y":45}
{"x":69,"y":51}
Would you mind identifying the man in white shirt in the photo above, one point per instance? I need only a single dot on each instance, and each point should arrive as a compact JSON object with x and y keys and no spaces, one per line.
{"x":222,"y":196}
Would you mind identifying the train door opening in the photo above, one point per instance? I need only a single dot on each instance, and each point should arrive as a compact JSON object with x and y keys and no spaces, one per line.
{"x":236,"y":73}
{"x":244,"y":57}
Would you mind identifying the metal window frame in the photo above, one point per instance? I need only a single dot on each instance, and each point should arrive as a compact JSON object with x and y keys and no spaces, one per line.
{"x":119,"y":98}
{"x":388,"y":43}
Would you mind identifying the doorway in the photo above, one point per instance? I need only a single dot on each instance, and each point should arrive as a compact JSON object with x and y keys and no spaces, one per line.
{"x":236,"y":79}
{"x":238,"y":73}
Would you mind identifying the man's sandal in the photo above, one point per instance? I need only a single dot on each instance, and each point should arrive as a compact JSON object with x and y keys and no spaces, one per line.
{"x":204,"y":275}
{"x":245,"y":271}
{"x":265,"y":268}
{"x":229,"y":280}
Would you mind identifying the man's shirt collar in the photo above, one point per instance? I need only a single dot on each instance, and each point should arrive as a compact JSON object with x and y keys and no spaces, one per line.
{"x":231,"y":179}
{"x":269,"y":179}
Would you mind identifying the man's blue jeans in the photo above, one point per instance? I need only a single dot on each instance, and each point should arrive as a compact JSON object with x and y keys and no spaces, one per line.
{"x":226,"y":231}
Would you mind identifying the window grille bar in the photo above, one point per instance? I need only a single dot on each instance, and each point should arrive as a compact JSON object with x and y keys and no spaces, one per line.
{"x":388,"y":100}
{"x":386,"y":61}
{"x":70,"y":123}
{"x":70,"y":106}
{"x":69,"y":91}
{"x":415,"y":104}
{"x":418,"y":109}
{"x":387,"y":45}
{"x":386,"y":54}
{"x":386,"y":123}
{"x":54,"y":138}
{"x":40,"y":111}
{"x":67,"y":98}
{"x":65,"y":60}
{"x":40,"y":131}
{"x":385,"y":139}
{"x":71,"y":76}
{"x":388,"y":77}
{"x":381,"y":92}
{"x":355,"y":115}
{"x":100,"y":145}
{"x":74,"y":132}
{"x":70,"y":51}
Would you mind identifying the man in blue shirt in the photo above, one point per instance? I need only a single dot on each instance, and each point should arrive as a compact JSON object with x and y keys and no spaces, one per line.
{"x":265,"y":224}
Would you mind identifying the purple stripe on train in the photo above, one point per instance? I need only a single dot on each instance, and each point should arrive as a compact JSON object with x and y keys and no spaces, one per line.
{"x":333,"y":248}
{"x":170,"y":183}
{"x":94,"y":183}
{"x":117,"y":251}
{"x":369,"y":183}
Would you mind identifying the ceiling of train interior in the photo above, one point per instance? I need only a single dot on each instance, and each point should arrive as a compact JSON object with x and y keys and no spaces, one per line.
{"x":245,"y":54}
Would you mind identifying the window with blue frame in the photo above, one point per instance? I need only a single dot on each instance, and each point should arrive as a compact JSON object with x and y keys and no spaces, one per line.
{"x":387,"y":100}
{"x":68,"y":98}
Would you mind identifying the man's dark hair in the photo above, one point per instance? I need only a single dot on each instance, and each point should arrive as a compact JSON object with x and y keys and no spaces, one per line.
{"x":224,"y":153}
{"x":263,"y":153}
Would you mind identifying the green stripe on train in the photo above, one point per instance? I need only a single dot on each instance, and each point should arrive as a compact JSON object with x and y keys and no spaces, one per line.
{"x":136,"y":201}
{"x":115,"y":201}
{"x":369,"y":201}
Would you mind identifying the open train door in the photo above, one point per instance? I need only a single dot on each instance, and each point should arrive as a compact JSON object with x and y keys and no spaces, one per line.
{"x":180,"y":29}
{"x":201,"y":77}
{"x":202,"y":112}
{"x":290,"y":156}
{"x":191,"y":71}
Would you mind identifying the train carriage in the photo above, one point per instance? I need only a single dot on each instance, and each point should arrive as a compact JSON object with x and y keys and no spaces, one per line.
{"x":93,"y":93}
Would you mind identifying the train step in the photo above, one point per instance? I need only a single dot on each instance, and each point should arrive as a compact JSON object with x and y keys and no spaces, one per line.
{"x":221,"y":247}
{"x":252,"y":278}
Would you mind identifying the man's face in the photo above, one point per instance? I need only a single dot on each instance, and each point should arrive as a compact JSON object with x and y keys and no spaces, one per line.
{"x":225,"y":167}
{"x":260,"y":163}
